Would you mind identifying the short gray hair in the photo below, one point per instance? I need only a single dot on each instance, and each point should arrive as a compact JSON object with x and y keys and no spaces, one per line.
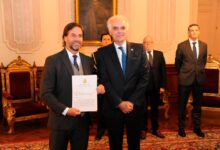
{"x":117,"y":17}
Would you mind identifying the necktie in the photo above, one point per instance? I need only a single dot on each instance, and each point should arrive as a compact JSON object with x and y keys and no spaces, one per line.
{"x":75,"y":62}
{"x":123,"y":59}
{"x":194,"y":50}
{"x":150,"y":58}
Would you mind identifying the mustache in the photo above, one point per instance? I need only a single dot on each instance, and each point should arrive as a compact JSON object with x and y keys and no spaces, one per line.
{"x":75,"y":48}
{"x":76,"y":41}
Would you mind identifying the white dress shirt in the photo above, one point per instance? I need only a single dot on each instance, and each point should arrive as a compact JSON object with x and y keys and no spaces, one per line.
{"x":197,"y":46}
{"x":70,"y":55}
{"x":152,"y":54}
{"x":119,"y":52}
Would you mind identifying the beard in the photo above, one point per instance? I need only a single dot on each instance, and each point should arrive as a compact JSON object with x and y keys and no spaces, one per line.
{"x":74,"y":48}
{"x":75,"y":45}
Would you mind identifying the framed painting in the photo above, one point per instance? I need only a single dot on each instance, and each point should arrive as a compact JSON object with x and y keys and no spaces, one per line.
{"x":93,"y":15}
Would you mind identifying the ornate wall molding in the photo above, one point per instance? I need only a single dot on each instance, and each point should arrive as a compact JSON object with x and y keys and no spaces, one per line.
{"x":21,"y":25}
{"x":161,"y":22}
{"x":66,"y":14}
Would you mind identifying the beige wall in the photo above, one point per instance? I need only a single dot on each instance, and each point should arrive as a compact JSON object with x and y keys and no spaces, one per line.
{"x":165,"y":20}
{"x":209,"y":20}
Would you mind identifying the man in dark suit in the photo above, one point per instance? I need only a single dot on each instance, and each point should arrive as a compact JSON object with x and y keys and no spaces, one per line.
{"x":157,"y":83}
{"x":190,"y":63}
{"x":105,"y":40}
{"x":66,"y":122}
{"x":124,"y":75}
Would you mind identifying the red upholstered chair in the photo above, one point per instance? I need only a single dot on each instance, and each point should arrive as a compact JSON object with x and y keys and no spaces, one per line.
{"x":20,"y":98}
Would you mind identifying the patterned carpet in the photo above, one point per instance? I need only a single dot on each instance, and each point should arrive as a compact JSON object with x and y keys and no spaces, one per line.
{"x":171,"y":142}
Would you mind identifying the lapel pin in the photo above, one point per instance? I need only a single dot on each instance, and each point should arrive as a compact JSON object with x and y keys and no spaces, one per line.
{"x":132,"y":49}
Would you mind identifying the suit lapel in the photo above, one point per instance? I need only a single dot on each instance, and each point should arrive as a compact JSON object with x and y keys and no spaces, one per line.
{"x":201,"y":50}
{"x":131,"y":55}
{"x":128,"y":60}
{"x":66,"y":61}
{"x":115,"y":60}
{"x":154,"y":58}
{"x":85,"y":66}
{"x":189,"y":49}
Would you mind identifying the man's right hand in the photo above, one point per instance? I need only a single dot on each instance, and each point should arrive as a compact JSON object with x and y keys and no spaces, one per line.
{"x":73,"y":112}
{"x":125,"y":107}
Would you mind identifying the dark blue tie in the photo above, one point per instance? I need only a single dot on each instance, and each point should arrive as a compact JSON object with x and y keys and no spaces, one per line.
{"x":123,"y":59}
{"x":75,"y":62}
{"x":194,"y":50}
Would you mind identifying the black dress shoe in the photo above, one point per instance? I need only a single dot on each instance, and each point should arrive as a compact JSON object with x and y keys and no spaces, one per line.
{"x":99,"y":135}
{"x":181,"y":132}
{"x":199,"y":132}
{"x":143,"y":135}
{"x":158,"y":134}
{"x":98,"y":138}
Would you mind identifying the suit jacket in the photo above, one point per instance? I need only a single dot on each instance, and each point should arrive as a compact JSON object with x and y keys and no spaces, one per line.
{"x":119,"y":87}
{"x":190,"y":69}
{"x":158,"y":71}
{"x":96,"y":59}
{"x":56,"y":87}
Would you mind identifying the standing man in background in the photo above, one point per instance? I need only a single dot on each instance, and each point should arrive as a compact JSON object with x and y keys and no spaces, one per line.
{"x":124,"y":74}
{"x":105,"y":40}
{"x":157,"y":83}
{"x":67,"y":123}
{"x":190,"y":64}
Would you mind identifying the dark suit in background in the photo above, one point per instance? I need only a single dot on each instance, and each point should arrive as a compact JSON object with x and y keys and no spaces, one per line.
{"x":56,"y":91}
{"x":130,"y":87}
{"x":101,"y":126}
{"x":157,"y":80}
{"x":191,"y":76}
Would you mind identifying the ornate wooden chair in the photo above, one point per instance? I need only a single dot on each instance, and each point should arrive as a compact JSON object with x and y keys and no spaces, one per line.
{"x":164,"y":104}
{"x":20,"y":100}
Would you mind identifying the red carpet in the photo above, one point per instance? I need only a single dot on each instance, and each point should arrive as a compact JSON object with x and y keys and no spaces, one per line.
{"x":171,"y":142}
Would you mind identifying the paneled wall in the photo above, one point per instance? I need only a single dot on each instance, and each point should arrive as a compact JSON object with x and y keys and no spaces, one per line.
{"x":1,"y":99}
{"x":33,"y":28}
{"x":209,"y":20}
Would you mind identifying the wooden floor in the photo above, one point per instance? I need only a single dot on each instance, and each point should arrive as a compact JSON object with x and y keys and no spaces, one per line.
{"x":36,"y":129}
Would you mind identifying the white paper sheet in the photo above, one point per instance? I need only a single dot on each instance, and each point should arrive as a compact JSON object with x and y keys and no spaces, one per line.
{"x":84,"y":94}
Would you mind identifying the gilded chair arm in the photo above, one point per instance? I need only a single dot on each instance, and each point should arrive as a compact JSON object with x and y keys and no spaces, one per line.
{"x":37,"y":94}
{"x":6,"y":99}
{"x":7,"y":96}
{"x":165,"y":97}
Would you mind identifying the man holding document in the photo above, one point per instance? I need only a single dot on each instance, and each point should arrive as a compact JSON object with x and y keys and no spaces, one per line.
{"x":64,"y":88}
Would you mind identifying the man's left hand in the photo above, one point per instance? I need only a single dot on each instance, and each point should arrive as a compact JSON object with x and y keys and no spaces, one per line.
{"x":100,"y":89}
{"x":162,"y":90}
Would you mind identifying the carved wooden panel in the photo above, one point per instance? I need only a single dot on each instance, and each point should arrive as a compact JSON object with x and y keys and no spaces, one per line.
{"x":21,"y":25}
